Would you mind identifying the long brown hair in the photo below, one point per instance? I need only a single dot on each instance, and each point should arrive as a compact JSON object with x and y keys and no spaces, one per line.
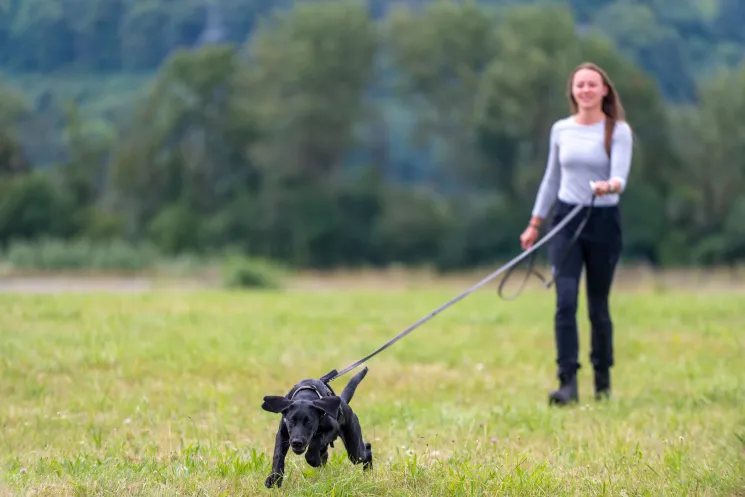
{"x":612,"y":107}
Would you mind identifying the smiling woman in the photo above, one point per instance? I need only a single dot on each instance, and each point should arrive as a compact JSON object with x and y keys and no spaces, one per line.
{"x":590,"y":154}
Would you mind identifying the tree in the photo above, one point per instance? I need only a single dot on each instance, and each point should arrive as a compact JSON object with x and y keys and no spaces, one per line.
{"x":12,"y":110}
{"x":523,"y":93}
{"x":708,"y":187}
{"x":188,"y":147}
{"x":439,"y":54}
{"x":310,"y":68}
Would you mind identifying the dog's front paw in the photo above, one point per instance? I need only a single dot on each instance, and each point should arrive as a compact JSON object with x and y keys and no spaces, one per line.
{"x":368,"y":463}
{"x":275,"y":479}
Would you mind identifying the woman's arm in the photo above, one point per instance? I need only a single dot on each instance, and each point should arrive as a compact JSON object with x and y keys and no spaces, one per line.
{"x":621,"y":155}
{"x":549,"y":187}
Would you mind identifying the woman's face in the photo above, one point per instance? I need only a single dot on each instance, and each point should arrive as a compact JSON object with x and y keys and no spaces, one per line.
{"x":588,"y":89}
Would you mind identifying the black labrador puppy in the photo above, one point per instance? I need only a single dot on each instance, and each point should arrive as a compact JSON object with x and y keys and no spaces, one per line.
{"x":312,"y":418}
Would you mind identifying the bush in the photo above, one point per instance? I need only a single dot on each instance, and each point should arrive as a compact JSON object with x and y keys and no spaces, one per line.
{"x":244,"y":272}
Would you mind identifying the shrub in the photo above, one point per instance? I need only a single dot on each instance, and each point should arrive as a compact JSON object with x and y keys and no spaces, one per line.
{"x":244,"y":272}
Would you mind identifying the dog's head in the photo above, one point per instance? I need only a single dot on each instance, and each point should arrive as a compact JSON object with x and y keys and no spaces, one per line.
{"x":301,"y":417}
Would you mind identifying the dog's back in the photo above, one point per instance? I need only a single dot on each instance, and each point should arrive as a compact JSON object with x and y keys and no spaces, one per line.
{"x":348,"y":392}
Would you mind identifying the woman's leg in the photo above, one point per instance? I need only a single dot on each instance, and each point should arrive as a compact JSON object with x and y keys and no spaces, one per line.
{"x":566,"y":260}
{"x":602,"y":253}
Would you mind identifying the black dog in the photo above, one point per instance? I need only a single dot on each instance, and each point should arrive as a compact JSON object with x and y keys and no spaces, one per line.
{"x":312,"y":418}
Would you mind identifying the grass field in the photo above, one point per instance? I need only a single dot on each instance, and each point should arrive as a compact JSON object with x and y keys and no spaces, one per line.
{"x":158,"y":394}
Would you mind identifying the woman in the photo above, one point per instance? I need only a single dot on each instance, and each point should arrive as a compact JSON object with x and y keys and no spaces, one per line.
{"x":594,"y":144}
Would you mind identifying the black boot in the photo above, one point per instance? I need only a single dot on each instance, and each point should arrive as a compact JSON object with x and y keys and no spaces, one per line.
{"x":602,"y":384}
{"x":567,"y":392}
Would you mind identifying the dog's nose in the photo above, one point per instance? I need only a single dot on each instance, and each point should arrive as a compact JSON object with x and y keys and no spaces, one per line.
{"x":297,"y":444}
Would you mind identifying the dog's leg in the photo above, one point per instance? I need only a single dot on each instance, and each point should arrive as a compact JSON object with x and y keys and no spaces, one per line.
{"x":313,"y":454}
{"x":318,"y":451}
{"x":281,"y":446}
{"x":367,"y":463}
{"x":317,"y":455}
{"x":313,"y":458}
{"x":358,"y":450}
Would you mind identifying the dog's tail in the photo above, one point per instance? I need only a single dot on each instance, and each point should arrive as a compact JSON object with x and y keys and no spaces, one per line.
{"x":348,"y":391}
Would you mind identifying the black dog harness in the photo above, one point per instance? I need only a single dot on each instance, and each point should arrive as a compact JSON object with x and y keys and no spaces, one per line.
{"x":508,"y":268}
{"x":315,"y":390}
{"x":307,"y":387}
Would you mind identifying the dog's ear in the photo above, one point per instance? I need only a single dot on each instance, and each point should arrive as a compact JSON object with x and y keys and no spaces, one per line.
{"x":275,"y":403}
{"x":329,"y":405}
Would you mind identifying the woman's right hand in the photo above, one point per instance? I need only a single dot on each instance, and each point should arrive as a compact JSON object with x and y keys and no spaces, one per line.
{"x":529,"y":236}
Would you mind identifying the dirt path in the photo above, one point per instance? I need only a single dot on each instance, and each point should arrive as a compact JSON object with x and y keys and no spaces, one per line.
{"x":43,"y":284}
{"x":626,"y":280}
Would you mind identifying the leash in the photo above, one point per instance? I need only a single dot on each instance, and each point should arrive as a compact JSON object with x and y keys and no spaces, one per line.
{"x":508,"y":267}
{"x":531,"y":259}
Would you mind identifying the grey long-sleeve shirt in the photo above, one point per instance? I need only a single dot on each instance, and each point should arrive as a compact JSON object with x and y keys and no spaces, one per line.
{"x":576,"y":157}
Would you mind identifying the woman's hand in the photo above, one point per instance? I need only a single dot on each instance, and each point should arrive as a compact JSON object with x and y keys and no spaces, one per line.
{"x":601,"y":188}
{"x":529,"y":236}
{"x":605,"y":187}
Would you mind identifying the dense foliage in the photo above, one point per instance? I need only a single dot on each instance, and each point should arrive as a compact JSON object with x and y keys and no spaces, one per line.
{"x":350,"y":132}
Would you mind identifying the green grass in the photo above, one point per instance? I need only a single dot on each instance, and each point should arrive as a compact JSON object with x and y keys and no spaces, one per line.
{"x":159,"y":394}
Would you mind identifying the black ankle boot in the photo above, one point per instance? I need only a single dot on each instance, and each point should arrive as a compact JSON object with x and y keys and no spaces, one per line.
{"x":567,"y":392}
{"x":602,"y":384}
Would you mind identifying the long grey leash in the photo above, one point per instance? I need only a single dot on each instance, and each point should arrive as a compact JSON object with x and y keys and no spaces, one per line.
{"x":333,"y":374}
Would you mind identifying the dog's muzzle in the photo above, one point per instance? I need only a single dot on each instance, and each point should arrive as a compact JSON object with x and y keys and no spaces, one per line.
{"x":297,"y":446}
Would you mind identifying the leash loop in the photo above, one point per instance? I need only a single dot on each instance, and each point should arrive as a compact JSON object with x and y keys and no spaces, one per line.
{"x":531,"y":260}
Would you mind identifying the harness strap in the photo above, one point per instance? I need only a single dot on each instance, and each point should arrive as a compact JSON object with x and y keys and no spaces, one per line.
{"x":306,"y":387}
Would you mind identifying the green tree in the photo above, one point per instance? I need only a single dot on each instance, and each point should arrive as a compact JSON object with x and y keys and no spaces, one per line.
{"x":439,"y":54}
{"x":31,"y":204}
{"x":523,"y":93}
{"x":188,"y":147}
{"x":708,"y":188}
{"x":310,"y":68}
{"x":12,"y":110}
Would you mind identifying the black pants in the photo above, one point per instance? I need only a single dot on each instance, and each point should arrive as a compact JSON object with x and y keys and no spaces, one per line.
{"x":598,"y":249}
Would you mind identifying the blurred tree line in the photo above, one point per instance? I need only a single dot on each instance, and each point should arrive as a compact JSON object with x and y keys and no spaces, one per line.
{"x":328,"y":133}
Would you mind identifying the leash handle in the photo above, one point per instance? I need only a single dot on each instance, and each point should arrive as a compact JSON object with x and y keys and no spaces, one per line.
{"x":329,"y":376}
